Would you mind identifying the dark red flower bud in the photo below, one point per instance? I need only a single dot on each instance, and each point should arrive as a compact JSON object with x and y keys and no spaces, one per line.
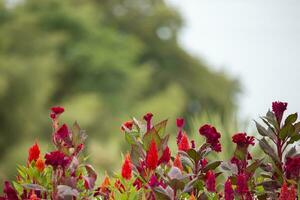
{"x":203,"y":162}
{"x":62,"y":133}
{"x":212,"y":136}
{"x":242,"y":139}
{"x":127,"y":125}
{"x":148,"y":118}
{"x":57,"y":110}
{"x":180,"y":122}
{"x":56,"y":159}
{"x":210,"y":181}
{"x":229,"y":193}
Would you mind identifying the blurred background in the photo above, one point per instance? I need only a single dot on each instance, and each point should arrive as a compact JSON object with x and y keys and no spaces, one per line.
{"x":221,"y":62}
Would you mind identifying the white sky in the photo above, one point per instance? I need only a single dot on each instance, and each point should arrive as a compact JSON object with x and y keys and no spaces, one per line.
{"x":257,"y":41}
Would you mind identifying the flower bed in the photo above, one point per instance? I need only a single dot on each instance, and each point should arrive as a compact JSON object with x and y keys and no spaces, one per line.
{"x":151,"y":171}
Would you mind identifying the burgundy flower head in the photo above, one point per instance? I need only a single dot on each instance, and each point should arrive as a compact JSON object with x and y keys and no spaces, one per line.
{"x":229,"y":193}
{"x":278,"y":108}
{"x":180,"y":122}
{"x":292,"y":167}
{"x":148,"y":118}
{"x":57,"y":110}
{"x":153,"y":182}
{"x":33,"y":153}
{"x":56,"y":159}
{"x":242,"y":186}
{"x":242,"y":139}
{"x":152,"y":156}
{"x":210,"y":181}
{"x":9,"y":192}
{"x":212,"y":136}
{"x":166,"y":156}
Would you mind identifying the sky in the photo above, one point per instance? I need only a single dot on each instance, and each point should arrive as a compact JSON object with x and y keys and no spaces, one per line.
{"x":256,"y":41}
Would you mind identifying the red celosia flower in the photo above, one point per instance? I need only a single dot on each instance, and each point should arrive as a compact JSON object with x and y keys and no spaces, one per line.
{"x":152,"y":156}
{"x":210,"y":181}
{"x":128,"y":125}
{"x":40,"y":164}
{"x":229,"y":194}
{"x":284,"y":192}
{"x":242,"y":186}
{"x":180,"y":124}
{"x":119,"y":186}
{"x":153,"y":182}
{"x":193,"y":144}
{"x":127,"y":168}
{"x":104,"y":187}
{"x":33,"y":153}
{"x":242,"y":139}
{"x":62,"y":133}
{"x":203,"y":162}
{"x":184,"y":144}
{"x":56,"y":159}
{"x":9,"y":192}
{"x":293,"y":193}
{"x":292,"y":167}
{"x":278,"y":108}
{"x":148,"y":118}
{"x":166,"y":156}
{"x":212,"y":136}
{"x":138,"y":183}
{"x":177,"y":163}
{"x":57,"y":110}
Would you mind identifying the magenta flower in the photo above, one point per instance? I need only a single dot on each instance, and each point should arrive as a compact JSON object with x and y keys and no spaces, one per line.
{"x":180,"y":124}
{"x":242,"y":186}
{"x":243,"y":140}
{"x":212,"y":136}
{"x":292,"y":167}
{"x":229,"y":193}
{"x":148,"y":118}
{"x":278,"y":108}
{"x":210,"y":181}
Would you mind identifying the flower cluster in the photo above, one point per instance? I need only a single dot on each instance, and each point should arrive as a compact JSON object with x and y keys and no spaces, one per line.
{"x":152,"y":171}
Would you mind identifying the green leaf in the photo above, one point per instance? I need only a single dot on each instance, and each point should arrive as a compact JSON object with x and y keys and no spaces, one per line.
{"x":264,"y":132}
{"x":291,"y":118}
{"x":194,"y":155}
{"x":161,"y":128}
{"x":149,"y":136}
{"x":212,"y":166}
{"x":287,"y":130}
{"x":264,"y":145}
{"x":251,"y":168}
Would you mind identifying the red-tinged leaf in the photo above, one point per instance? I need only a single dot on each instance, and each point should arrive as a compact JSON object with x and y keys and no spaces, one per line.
{"x":194,"y":155}
{"x":265,"y":132}
{"x":264,"y":145}
{"x":66,"y":192}
{"x":212,"y":166}
{"x":161,"y":128}
{"x":252,"y":168}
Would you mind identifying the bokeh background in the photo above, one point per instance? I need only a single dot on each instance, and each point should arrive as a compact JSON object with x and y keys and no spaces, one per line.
{"x":107,"y":60}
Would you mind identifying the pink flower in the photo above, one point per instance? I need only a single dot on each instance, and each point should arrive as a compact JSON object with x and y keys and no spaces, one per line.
{"x":184,"y":144}
{"x":166,"y":156}
{"x":278,"y":108}
{"x":33,"y":153}
{"x":152,"y":156}
{"x":148,"y":118}
{"x":56,"y":159}
{"x":292,"y":167}
{"x":212,"y":136}
{"x":127,"y":168}
{"x":210,"y":181}
{"x":229,"y":193}
{"x":242,"y":139}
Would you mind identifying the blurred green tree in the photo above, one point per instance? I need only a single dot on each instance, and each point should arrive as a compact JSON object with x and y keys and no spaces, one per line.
{"x":102,"y":60}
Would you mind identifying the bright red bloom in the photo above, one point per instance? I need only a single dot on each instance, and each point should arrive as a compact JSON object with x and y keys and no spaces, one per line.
{"x":63,"y":132}
{"x":212,"y":136}
{"x":127,"y":125}
{"x":166,"y":156}
{"x":127,"y":168}
{"x":278,"y":108}
{"x":152,"y":156}
{"x":284,"y":192}
{"x":148,"y":118}
{"x":292,"y":167}
{"x":33,"y":153}
{"x":177,"y":163}
{"x":210,"y":181}
{"x":57,"y":110}
{"x":184,"y":144}
{"x":242,"y":139}
{"x":56,"y":159}
{"x":229,"y":193}
{"x":242,"y":186}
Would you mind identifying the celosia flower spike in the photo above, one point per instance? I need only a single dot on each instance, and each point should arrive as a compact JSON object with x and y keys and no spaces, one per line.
{"x":184,"y":144}
{"x":127,"y":168}
{"x":152,"y":156}
{"x":229,"y":193}
{"x":180,"y":124}
{"x":33,"y":153}
{"x":177,"y":163}
{"x":148,"y":118}
{"x":278,"y":108}
{"x":210,"y":181}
